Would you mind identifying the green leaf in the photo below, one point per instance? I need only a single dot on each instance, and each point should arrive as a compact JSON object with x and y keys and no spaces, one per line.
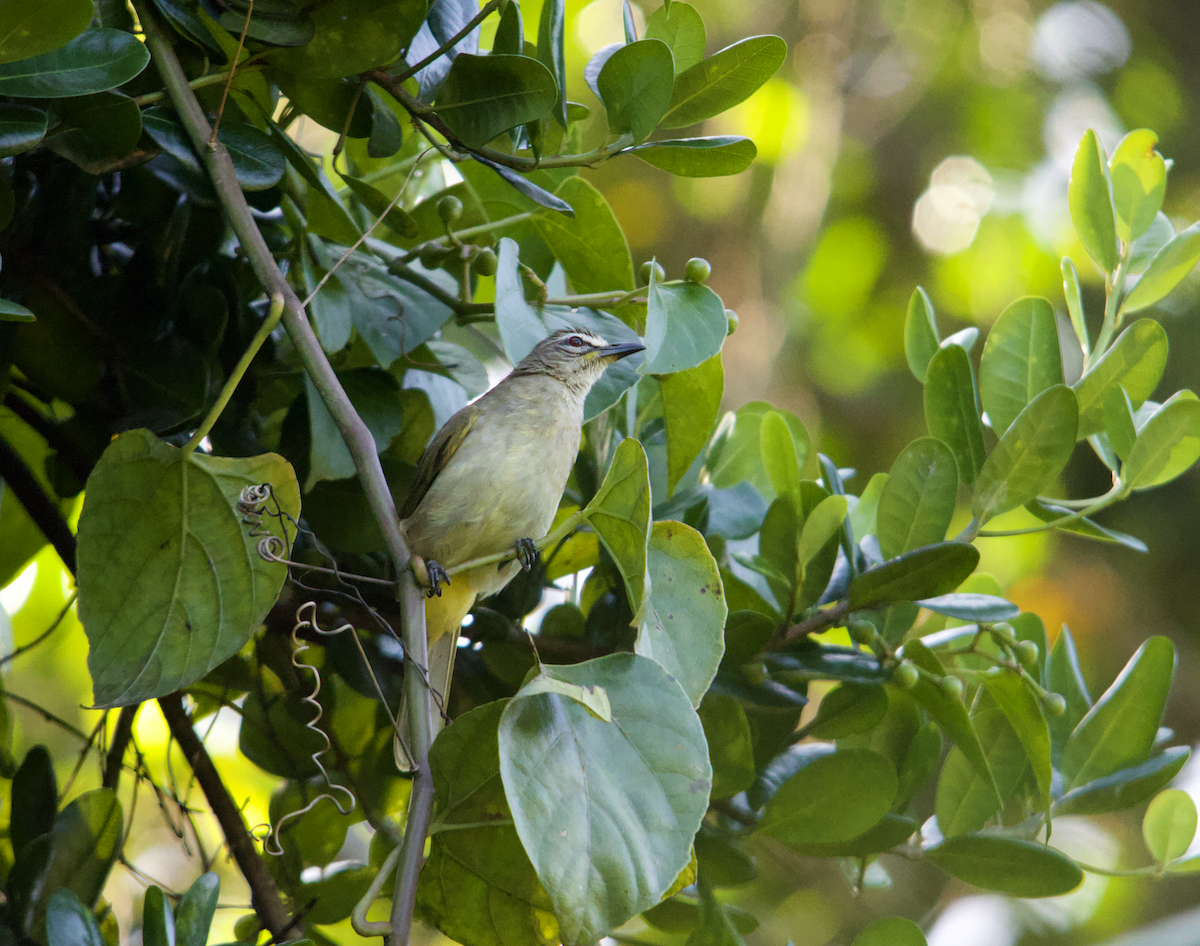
{"x":922,"y":573}
{"x":1119,"y":422}
{"x":34,"y":799}
{"x":918,"y":501}
{"x":478,"y":885}
{"x":14,"y":312}
{"x":185,"y":19}
{"x":257,"y":163}
{"x":635,"y":86}
{"x":682,"y":624}
{"x":519,"y":326}
{"x":1048,"y":512}
{"x":1030,"y":455}
{"x":948,"y":711}
{"x":863,"y":518}
{"x":1169,"y":825}
{"x":353,"y":36}
{"x":70,"y":923}
{"x":730,"y":749}
{"x":736,"y":452}
{"x":952,"y":409}
{"x":1135,"y":361}
{"x":922,"y":755}
{"x":31,"y":29}
{"x":1064,"y":676}
{"x":196,"y":910}
{"x":1167,"y":445}
{"x":685,"y":325}
{"x":170,"y":580}
{"x":158,"y":922}
{"x":278,"y":22}
{"x":965,"y":799}
{"x":94,"y":61}
{"x":85,"y":843}
{"x":723,"y":80}
{"x":591,"y":245}
{"x":374,"y":395}
{"x":890,"y":931}
{"x":1166,"y":271}
{"x":1146,"y":247}
{"x":335,"y":892}
{"x":1007,"y":865}
{"x":822,"y":523}
{"x":889,"y":832}
{"x":1074,"y":296}
{"x":779,"y":457}
{"x":680,"y":26}
{"x":847,"y":709}
{"x":510,"y":31}
{"x":1020,"y":360}
{"x":691,"y":404}
{"x":1024,"y":712}
{"x":1125,"y":787}
{"x":1090,"y":199}
{"x":921,"y":340}
{"x":620,"y":514}
{"x":550,"y":51}
{"x":100,"y":131}
{"x":611,"y":831}
{"x":715,"y":156}
{"x":1119,"y":730}
{"x":856,"y":783}
{"x":380,"y":205}
{"x":484,"y":96}
{"x":1139,"y":180}
{"x":981,"y":608}
{"x":21,"y":127}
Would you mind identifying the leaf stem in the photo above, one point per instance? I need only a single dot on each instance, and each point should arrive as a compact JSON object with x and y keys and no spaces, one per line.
{"x":483,"y":14}
{"x":1097,"y":505}
{"x":213,"y":78}
{"x":1112,"y":297}
{"x":25,"y":648}
{"x":266,"y":328}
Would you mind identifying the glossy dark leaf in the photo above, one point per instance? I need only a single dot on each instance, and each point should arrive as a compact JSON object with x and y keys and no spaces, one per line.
{"x":922,"y":573}
{"x":31,"y":29}
{"x":485,"y":95}
{"x":94,"y":61}
{"x":539,"y":195}
{"x":1064,"y":676}
{"x":70,"y":923}
{"x":550,"y":49}
{"x":381,"y":206}
{"x":590,"y":245}
{"x":21,"y":128}
{"x":277,"y":22}
{"x":353,"y":36}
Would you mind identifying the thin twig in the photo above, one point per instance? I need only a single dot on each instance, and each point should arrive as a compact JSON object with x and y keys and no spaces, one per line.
{"x":453,"y":41}
{"x":264,"y":894}
{"x":25,"y":648}
{"x":40,"y":507}
{"x":120,"y":742}
{"x":232,"y":71}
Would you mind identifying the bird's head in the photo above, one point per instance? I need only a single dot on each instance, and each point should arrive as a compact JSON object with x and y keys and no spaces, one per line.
{"x":574,"y":356}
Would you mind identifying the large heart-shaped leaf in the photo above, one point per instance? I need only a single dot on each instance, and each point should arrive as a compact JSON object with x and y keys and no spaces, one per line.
{"x":170,"y":579}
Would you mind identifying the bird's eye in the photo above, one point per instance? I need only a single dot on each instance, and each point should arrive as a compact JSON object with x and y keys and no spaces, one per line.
{"x":575,"y":341}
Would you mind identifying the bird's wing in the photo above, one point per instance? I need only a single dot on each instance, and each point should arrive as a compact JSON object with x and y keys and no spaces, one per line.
{"x":442,"y":447}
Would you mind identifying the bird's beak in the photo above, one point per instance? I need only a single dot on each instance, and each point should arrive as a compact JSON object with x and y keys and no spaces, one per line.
{"x":611,"y":353}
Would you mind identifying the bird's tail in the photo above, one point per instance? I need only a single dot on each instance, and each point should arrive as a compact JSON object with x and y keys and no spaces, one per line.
{"x":443,"y":620}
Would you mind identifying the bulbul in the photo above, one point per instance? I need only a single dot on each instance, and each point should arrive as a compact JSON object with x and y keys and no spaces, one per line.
{"x":490,"y":480}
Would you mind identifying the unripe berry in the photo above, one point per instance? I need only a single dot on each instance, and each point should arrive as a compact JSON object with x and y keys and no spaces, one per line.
{"x":952,"y":687}
{"x":1005,"y":631}
{"x":651,"y":266}
{"x":1027,"y":653}
{"x":862,"y":632}
{"x":1055,"y":704}
{"x":485,"y":262}
{"x":697,"y":270}
{"x":905,"y":676}
{"x":449,"y":208}
{"x":731,"y":318}
{"x":431,"y":255}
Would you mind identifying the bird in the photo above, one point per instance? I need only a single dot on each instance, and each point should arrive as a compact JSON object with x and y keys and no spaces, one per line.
{"x":490,"y":481}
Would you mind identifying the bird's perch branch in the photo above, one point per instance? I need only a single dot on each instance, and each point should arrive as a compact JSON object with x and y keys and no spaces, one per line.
{"x":358,"y":440}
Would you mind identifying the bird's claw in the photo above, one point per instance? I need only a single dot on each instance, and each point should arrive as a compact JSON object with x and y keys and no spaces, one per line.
{"x":527,"y":553}
{"x":437,"y":575}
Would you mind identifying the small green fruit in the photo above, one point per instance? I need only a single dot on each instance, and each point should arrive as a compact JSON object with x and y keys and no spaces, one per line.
{"x":485,"y":262}
{"x":449,"y":208}
{"x":697,"y":270}
{"x":952,"y":687}
{"x":732,"y":318}
{"x":906,"y":675}
{"x":1005,"y":631}
{"x":1027,"y":653}
{"x":755,"y":673}
{"x":651,"y":266}
{"x":431,"y":255}
{"x":1055,"y":704}
{"x":862,"y":632}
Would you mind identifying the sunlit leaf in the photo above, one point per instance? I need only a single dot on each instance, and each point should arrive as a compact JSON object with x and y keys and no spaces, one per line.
{"x":723,"y":80}
{"x":685,"y":325}
{"x":1135,"y":361}
{"x":1090,"y":200}
{"x":591,"y":245}
{"x":680,"y":26}
{"x":715,"y":156}
{"x":1169,"y":824}
{"x":620,"y":514}
{"x":635,"y":86}
{"x":1167,"y":445}
{"x":921,"y":340}
{"x":918,"y":501}
{"x":1139,"y":180}
{"x":691,"y":405}
{"x":1166,"y":270}
{"x":1020,"y":360}
{"x":485,"y":95}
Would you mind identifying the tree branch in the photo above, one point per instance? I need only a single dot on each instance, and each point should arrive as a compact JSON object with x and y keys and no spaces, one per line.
{"x":264,"y":894}
{"x":354,"y":432}
{"x":41,"y":510}
{"x":51,"y":433}
{"x":120,"y":742}
{"x":451,"y":42}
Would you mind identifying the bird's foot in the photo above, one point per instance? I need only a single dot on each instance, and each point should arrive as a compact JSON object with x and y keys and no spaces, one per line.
{"x":527,"y":553}
{"x":430,"y":575}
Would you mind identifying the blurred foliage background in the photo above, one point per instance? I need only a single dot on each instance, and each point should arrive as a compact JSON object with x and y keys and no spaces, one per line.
{"x":904,"y":142}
